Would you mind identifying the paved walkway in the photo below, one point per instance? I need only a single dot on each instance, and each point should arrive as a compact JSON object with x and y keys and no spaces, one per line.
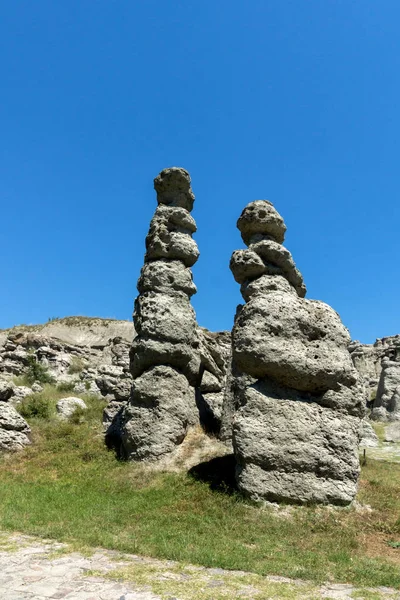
{"x":32,"y":569}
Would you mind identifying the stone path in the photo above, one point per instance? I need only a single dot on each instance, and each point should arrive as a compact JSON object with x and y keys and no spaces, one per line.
{"x":33,"y":569}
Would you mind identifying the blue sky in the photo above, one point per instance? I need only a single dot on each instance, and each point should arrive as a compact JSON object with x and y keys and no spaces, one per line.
{"x":293,"y":101}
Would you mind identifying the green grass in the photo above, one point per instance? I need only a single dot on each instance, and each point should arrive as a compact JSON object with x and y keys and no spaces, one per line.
{"x":67,"y":486}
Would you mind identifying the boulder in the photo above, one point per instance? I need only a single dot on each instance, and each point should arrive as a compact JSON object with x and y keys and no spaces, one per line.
{"x":14,"y":430}
{"x":67,"y":406}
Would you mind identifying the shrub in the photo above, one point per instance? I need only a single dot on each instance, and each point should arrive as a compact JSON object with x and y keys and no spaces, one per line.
{"x":36,"y":371}
{"x":37,"y":406}
{"x":66,"y":386}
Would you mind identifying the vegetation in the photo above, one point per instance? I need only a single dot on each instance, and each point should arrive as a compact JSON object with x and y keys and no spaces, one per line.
{"x":77,"y":365}
{"x":36,"y":371}
{"x":67,"y":486}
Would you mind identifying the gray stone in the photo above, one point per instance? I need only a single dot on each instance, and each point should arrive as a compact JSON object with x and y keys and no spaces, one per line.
{"x":167,"y":355}
{"x":6,"y":390}
{"x":392,"y":433}
{"x":164,"y":317}
{"x":276,"y":255}
{"x":260,"y":217}
{"x":173,"y":188}
{"x":170,"y":236}
{"x":293,"y":397}
{"x":264,"y":284}
{"x":387,"y":402}
{"x":14,"y":430}
{"x":20,"y":392}
{"x":300,"y":343}
{"x":293,"y":450}
{"x":368,"y":437}
{"x":148,"y":352}
{"x":161,"y":408}
{"x":166,"y":276}
{"x":37,"y":388}
{"x":246,"y":265}
{"x":67,"y":406}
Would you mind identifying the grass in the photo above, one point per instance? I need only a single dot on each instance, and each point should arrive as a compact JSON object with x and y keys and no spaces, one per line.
{"x":77,"y":365}
{"x":67,"y":486}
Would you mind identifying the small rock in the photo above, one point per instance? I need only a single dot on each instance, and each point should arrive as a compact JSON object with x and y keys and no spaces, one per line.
{"x":37,"y":388}
{"x":67,"y":406}
{"x":20,"y":392}
{"x":392,"y":433}
{"x":6,"y":390}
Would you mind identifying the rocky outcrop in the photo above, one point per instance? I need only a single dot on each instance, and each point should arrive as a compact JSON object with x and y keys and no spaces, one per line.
{"x":386,"y":406}
{"x":14,"y":430}
{"x":165,"y":356}
{"x":84,"y":354}
{"x":367,"y":359}
{"x":295,"y":395}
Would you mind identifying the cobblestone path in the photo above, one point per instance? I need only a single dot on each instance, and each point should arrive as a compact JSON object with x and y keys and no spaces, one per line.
{"x":33,"y":569}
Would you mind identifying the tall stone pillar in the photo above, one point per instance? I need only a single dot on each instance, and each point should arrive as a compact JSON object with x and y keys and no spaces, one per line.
{"x":165,"y":359}
{"x":297,"y":398}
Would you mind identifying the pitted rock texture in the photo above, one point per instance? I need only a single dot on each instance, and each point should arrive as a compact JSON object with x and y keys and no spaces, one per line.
{"x":294,"y":396}
{"x":386,"y":406}
{"x":165,"y":357}
{"x":14,"y":430}
{"x":66,"y":407}
{"x":161,"y":408}
{"x":367,"y":359}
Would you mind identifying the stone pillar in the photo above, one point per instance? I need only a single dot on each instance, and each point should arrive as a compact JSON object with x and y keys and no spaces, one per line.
{"x":297,"y":397}
{"x":386,"y":405}
{"x":165,"y":359}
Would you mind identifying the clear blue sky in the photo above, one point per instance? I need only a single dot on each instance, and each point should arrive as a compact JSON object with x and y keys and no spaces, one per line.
{"x":293,"y":101}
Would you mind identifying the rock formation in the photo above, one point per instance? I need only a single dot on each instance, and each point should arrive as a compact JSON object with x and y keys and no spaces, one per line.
{"x":89,"y":355}
{"x":14,"y":430}
{"x":367,"y":359}
{"x":297,"y":398}
{"x":165,"y":355}
{"x":386,"y":406}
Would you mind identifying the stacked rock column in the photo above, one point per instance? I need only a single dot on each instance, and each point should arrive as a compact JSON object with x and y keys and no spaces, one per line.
{"x":164,"y":355}
{"x":297,"y":397}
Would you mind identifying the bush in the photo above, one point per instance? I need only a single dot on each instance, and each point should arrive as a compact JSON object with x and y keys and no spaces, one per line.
{"x":66,"y":386}
{"x":37,"y":406}
{"x":37,"y":372}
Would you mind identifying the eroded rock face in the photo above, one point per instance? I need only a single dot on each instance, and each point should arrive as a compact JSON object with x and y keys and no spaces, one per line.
{"x":165,"y":356}
{"x":295,"y":397}
{"x":386,"y":406}
{"x":14,"y":430}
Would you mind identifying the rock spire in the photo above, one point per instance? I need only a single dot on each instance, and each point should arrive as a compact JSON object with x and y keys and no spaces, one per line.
{"x":165,"y":361}
{"x":297,"y":397}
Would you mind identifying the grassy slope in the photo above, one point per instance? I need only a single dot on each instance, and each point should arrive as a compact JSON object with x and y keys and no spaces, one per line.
{"x":68,"y":486}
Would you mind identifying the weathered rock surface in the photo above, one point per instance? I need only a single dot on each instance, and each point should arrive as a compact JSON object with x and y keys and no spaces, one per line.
{"x":294,"y":394}
{"x":367,"y":359}
{"x":14,"y":430}
{"x":67,"y":406}
{"x":161,"y":408}
{"x":368,"y":437}
{"x":392,"y":433}
{"x":386,"y":406}
{"x":165,"y":356}
{"x":80,"y":355}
